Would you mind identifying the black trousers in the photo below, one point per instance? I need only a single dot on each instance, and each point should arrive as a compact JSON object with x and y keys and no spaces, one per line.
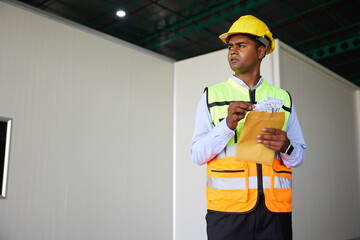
{"x":260,"y":224}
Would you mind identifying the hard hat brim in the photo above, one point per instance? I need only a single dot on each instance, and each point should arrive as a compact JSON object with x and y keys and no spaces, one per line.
{"x":224,"y":36}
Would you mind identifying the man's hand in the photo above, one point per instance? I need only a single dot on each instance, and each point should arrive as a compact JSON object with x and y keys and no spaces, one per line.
{"x":236,"y":112}
{"x":277,"y":139}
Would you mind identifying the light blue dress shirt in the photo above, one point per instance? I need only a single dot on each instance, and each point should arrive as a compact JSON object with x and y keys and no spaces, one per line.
{"x":209,"y":141}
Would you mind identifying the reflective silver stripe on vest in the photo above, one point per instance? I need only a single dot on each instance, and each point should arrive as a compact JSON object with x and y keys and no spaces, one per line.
{"x":227,"y":183}
{"x":232,"y":183}
{"x":284,"y":183}
{"x":240,"y":183}
{"x":280,"y":182}
{"x":253,"y":184}
{"x":266,"y":182}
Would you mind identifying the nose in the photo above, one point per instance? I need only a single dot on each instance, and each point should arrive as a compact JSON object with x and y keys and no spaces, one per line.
{"x":233,"y":51}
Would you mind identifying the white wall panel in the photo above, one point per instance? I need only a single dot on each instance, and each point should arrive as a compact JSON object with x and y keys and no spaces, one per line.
{"x":92,"y":135}
{"x":326,"y":187}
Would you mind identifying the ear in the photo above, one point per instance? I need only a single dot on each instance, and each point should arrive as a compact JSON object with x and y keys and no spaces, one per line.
{"x":261,"y":51}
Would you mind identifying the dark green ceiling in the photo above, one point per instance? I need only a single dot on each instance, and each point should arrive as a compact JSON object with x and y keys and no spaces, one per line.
{"x":326,"y":31}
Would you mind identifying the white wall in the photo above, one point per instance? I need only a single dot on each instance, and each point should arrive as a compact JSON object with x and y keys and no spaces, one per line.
{"x":91,"y":150}
{"x":326,"y":187}
{"x":357,"y":133}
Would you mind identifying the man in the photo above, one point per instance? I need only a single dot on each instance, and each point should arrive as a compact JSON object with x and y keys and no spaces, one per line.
{"x":246,"y":200}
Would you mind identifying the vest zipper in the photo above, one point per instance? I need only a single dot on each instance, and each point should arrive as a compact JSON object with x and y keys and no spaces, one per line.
{"x":252,"y":96}
{"x":259,"y":177}
{"x":252,"y":100}
{"x":258,"y":166}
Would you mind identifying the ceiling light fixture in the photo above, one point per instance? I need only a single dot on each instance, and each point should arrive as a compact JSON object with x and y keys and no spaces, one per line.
{"x":121,"y":13}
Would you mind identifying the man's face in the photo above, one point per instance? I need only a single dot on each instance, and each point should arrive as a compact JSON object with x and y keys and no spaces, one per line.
{"x":243,"y":55}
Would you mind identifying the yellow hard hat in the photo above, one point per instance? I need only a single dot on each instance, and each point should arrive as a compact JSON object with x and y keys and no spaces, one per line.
{"x":250,"y":25}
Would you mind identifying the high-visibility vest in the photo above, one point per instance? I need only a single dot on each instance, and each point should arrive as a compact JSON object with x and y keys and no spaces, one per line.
{"x":235,"y":186}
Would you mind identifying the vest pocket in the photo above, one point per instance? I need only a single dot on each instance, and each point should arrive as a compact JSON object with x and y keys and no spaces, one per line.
{"x":281,"y":185}
{"x":228,"y":185}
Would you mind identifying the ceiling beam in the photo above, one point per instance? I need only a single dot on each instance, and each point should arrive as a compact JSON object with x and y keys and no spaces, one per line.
{"x":336,"y":48}
{"x":198,"y":22}
{"x":296,"y":16}
{"x":305,"y":14}
{"x":327,"y":35}
{"x":293,"y":18}
{"x":194,"y":24}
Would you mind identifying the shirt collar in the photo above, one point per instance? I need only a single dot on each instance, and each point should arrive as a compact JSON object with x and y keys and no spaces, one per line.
{"x":241,"y":82}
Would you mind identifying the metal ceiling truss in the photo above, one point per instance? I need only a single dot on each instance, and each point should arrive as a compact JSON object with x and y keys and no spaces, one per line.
{"x":332,"y":49}
{"x":217,"y":14}
{"x":305,"y":14}
{"x":198,"y":22}
{"x":340,"y":31}
{"x":296,"y":16}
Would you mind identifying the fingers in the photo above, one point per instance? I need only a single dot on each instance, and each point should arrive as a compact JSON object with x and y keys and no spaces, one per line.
{"x":276,"y":146}
{"x":275,"y":135}
{"x":241,"y":106}
{"x":275,"y":140}
{"x":236,"y":112}
{"x":273,"y":131}
{"x":273,"y":145}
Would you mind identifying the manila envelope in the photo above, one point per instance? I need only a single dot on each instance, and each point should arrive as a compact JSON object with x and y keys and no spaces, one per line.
{"x":248,"y":149}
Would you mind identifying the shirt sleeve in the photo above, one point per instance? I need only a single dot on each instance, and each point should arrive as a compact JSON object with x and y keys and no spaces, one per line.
{"x":295,"y":135}
{"x":208,"y":141}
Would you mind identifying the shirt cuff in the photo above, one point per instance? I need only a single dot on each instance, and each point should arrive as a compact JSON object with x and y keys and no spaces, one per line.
{"x":223,"y":130}
{"x":295,"y":159}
